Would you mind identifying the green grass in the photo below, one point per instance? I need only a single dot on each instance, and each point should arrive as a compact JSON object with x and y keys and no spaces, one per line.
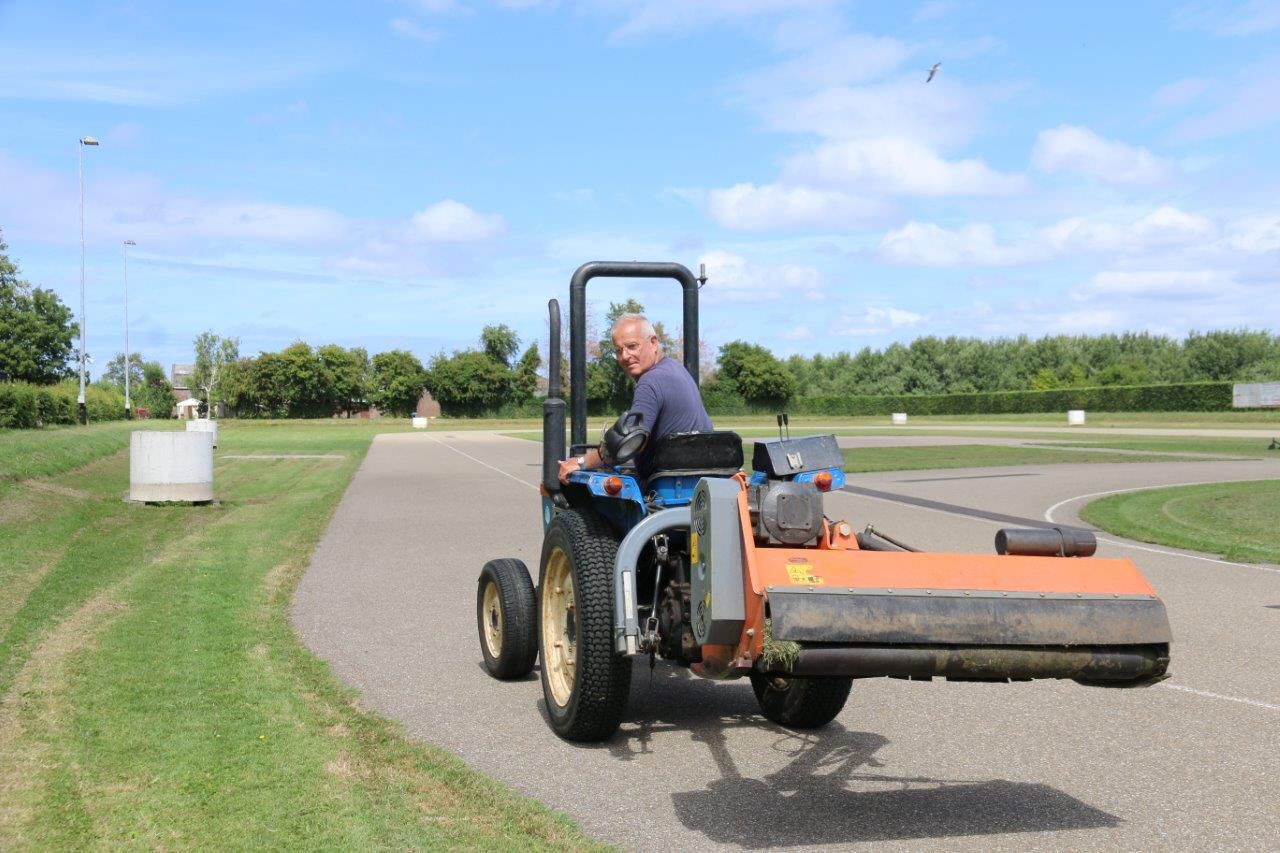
{"x":1240,"y":521}
{"x":40,"y":452}
{"x":1245,"y":447}
{"x":153,"y":694}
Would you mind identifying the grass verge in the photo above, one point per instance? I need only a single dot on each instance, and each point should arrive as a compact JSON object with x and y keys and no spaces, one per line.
{"x":1240,"y":521}
{"x":869,"y":459}
{"x":153,"y":694}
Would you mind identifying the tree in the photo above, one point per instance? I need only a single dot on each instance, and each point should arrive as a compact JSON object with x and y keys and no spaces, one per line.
{"x":398,"y":380}
{"x":114,"y":374}
{"x":154,"y":393}
{"x":756,"y":374}
{"x":499,"y":343}
{"x":37,"y":342}
{"x":212,"y":355}
{"x":524,"y":380}
{"x":468,"y":383}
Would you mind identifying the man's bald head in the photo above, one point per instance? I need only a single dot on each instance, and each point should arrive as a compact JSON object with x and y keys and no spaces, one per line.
{"x":635,"y":343}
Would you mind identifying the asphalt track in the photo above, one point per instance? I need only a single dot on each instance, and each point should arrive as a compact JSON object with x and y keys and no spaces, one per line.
{"x":1191,"y":764}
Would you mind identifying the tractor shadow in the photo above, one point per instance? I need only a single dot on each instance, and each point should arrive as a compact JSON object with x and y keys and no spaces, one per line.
{"x":829,"y":792}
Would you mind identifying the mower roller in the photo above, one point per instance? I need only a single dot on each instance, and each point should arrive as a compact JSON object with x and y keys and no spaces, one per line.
{"x":734,"y":574}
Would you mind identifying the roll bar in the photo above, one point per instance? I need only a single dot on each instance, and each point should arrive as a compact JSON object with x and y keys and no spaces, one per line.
{"x":578,"y":325}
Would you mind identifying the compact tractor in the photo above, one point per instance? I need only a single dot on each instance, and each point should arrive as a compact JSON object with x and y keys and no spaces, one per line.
{"x":737,"y":574}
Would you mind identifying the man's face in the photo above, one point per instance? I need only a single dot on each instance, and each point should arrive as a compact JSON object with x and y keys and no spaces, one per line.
{"x":636,"y":353}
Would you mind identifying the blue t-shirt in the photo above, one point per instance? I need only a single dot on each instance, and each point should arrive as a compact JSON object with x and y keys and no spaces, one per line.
{"x":669,"y":400}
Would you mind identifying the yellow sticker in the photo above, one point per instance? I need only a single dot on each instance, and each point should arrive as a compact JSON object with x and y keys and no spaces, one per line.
{"x":693,"y":546}
{"x":802,"y":573}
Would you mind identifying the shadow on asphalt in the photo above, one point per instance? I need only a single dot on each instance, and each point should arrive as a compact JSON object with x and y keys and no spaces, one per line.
{"x":824,"y":794}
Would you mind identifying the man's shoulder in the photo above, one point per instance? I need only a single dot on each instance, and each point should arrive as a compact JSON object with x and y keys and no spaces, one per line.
{"x":666,"y":368}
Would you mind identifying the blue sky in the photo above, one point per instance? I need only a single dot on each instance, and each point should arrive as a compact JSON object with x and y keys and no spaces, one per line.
{"x":399,"y":174}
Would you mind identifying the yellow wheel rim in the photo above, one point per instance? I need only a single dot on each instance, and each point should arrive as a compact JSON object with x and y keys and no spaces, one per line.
{"x":492,"y":620}
{"x":559,"y":627}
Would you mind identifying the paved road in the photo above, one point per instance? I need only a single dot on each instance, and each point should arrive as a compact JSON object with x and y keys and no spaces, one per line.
{"x":1191,"y":764}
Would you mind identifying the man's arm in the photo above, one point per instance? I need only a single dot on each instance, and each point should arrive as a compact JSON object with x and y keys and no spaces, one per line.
{"x":590,"y":459}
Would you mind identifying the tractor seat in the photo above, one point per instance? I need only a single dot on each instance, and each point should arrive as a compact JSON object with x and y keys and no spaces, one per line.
{"x":696,"y":454}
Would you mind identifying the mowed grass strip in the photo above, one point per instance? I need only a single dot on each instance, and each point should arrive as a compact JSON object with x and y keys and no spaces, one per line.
{"x":153,"y":694}
{"x":1239,"y":521}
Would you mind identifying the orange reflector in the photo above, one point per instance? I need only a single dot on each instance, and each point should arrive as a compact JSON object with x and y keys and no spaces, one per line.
{"x":822,"y":480}
{"x":613,"y":486}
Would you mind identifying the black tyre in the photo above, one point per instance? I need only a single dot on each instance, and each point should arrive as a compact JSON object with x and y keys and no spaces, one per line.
{"x":585,"y":683}
{"x":507,"y":616}
{"x":800,"y":703}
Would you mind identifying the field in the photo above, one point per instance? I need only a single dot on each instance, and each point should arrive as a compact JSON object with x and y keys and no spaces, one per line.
{"x":152,"y":692}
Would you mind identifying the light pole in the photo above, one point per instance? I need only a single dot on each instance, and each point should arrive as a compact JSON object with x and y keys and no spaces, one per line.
{"x":84,"y":411}
{"x":128,"y":367}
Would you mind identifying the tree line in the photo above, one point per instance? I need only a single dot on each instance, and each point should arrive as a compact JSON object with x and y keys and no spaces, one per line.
{"x":304,"y":381}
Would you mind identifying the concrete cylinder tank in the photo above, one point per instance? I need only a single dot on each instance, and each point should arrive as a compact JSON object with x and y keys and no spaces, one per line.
{"x":204,"y":425}
{"x":899,"y":418}
{"x":419,"y":423}
{"x":171,"y":466}
{"x":1075,"y":417}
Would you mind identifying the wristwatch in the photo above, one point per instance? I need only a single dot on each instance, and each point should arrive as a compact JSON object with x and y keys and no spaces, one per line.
{"x":582,"y":461}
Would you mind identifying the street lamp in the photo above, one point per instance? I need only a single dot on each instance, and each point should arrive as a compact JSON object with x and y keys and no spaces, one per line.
{"x":84,"y":411}
{"x":128,"y":406}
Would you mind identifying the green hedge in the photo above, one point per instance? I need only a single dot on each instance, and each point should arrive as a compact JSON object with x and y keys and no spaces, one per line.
{"x":25,"y":406}
{"x":1183,"y":397}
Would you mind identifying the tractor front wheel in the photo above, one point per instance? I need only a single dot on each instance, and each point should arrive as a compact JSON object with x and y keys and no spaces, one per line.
{"x":800,"y":703}
{"x":584,"y":681}
{"x":506,"y":613}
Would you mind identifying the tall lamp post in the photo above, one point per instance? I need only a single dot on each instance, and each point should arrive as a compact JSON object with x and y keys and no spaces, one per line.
{"x":84,"y":411}
{"x":128,"y":367}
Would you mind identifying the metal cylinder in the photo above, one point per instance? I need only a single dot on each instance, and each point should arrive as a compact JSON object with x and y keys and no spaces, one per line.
{"x":1046,"y":542}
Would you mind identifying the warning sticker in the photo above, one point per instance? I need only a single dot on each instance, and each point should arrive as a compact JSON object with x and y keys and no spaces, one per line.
{"x":693,"y":546}
{"x":802,"y":573}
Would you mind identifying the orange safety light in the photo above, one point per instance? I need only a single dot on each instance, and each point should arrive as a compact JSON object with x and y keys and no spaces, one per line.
{"x":822,"y":480}
{"x":613,"y":486}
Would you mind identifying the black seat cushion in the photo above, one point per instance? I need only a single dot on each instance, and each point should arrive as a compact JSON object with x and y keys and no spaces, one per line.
{"x":697,"y":451}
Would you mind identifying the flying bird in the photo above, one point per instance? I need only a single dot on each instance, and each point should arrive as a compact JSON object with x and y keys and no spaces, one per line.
{"x":933,"y":71}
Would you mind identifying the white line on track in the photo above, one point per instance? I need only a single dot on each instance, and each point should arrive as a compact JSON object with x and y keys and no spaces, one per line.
{"x":1048,"y":516}
{"x":1208,"y":695}
{"x":485,"y":464}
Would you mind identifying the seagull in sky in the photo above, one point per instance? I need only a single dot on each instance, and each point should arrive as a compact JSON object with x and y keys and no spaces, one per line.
{"x":933,"y":71}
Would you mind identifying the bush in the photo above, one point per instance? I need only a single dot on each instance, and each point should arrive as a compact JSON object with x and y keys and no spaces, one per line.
{"x":25,"y":406}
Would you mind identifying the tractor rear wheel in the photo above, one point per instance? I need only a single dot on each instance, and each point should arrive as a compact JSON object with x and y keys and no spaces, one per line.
{"x":584,"y":682}
{"x":506,"y":613}
{"x":800,"y":703}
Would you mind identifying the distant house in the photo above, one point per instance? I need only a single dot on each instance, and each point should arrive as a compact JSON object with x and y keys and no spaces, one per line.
{"x":180,"y":379}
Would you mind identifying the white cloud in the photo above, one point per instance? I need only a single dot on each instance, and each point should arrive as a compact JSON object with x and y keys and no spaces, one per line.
{"x":1181,"y":92}
{"x":1249,"y":102}
{"x":452,"y":221}
{"x":1164,"y":227}
{"x":1077,"y":149}
{"x":1255,"y":235}
{"x":413,"y":30}
{"x":751,"y":208}
{"x":798,"y":333}
{"x":731,"y":278}
{"x":899,"y":166}
{"x":1244,"y":19}
{"x":649,"y":16}
{"x":1162,"y":283}
{"x":875,"y":320}
{"x":929,"y":245}
{"x":942,"y":113}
